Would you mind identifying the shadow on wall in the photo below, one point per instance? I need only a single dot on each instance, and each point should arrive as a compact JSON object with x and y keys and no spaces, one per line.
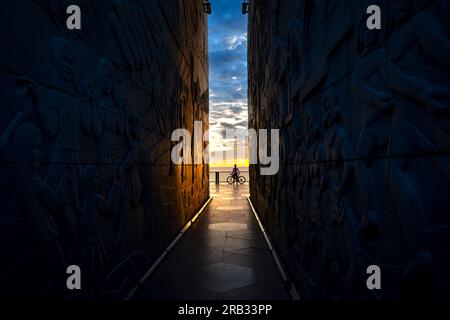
{"x":86,"y":118}
{"x":364,"y":118}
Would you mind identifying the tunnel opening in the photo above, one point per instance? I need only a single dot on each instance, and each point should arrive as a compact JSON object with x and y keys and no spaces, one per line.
{"x":228,"y":111}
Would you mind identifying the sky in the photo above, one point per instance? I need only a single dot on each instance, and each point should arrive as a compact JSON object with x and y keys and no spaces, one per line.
{"x":227,"y":76}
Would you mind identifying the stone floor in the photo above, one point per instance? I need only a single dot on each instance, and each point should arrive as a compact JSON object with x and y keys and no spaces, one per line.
{"x":222,"y":256}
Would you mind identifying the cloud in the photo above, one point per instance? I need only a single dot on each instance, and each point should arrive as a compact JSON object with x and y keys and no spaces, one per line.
{"x":235,"y":42}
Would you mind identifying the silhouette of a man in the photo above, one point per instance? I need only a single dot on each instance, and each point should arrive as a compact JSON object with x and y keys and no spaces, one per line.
{"x":235,"y":173}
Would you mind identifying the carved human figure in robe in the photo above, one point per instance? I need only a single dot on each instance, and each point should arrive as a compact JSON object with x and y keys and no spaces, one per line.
{"x":342,"y":172}
{"x":129,"y":176}
{"x":376,"y":98}
{"x":94,"y":259}
{"x":109,"y":115}
{"x":39,"y":205}
{"x":91,"y":122}
{"x":31,"y":198}
{"x":61,"y":120}
{"x":27,"y":96}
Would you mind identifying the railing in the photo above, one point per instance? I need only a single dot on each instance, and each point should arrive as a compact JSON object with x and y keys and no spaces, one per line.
{"x":221,"y":175}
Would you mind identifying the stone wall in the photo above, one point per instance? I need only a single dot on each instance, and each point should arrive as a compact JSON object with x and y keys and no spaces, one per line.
{"x":364,"y":120}
{"x":86,"y":119}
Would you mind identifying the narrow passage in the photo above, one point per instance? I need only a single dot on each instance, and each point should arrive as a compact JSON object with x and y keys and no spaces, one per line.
{"x":222,"y":256}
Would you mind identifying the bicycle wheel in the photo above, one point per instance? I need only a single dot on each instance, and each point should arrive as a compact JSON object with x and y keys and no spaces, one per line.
{"x":241,"y":180}
{"x":230,"y":180}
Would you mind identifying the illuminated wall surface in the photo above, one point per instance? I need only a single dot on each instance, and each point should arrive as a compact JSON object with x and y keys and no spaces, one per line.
{"x":339,"y":92}
{"x":85,"y":123}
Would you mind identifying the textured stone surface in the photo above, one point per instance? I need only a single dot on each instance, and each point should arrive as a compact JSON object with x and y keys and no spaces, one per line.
{"x":221,"y":277}
{"x":227,"y":226}
{"x":100,"y":103}
{"x":355,"y":108}
{"x":230,"y":208}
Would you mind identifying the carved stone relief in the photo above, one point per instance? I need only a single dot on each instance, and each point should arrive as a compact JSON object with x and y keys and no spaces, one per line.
{"x":85,"y":141}
{"x":369,"y":134}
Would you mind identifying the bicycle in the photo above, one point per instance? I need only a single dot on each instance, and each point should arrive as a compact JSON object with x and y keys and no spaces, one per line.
{"x":231,"y":179}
